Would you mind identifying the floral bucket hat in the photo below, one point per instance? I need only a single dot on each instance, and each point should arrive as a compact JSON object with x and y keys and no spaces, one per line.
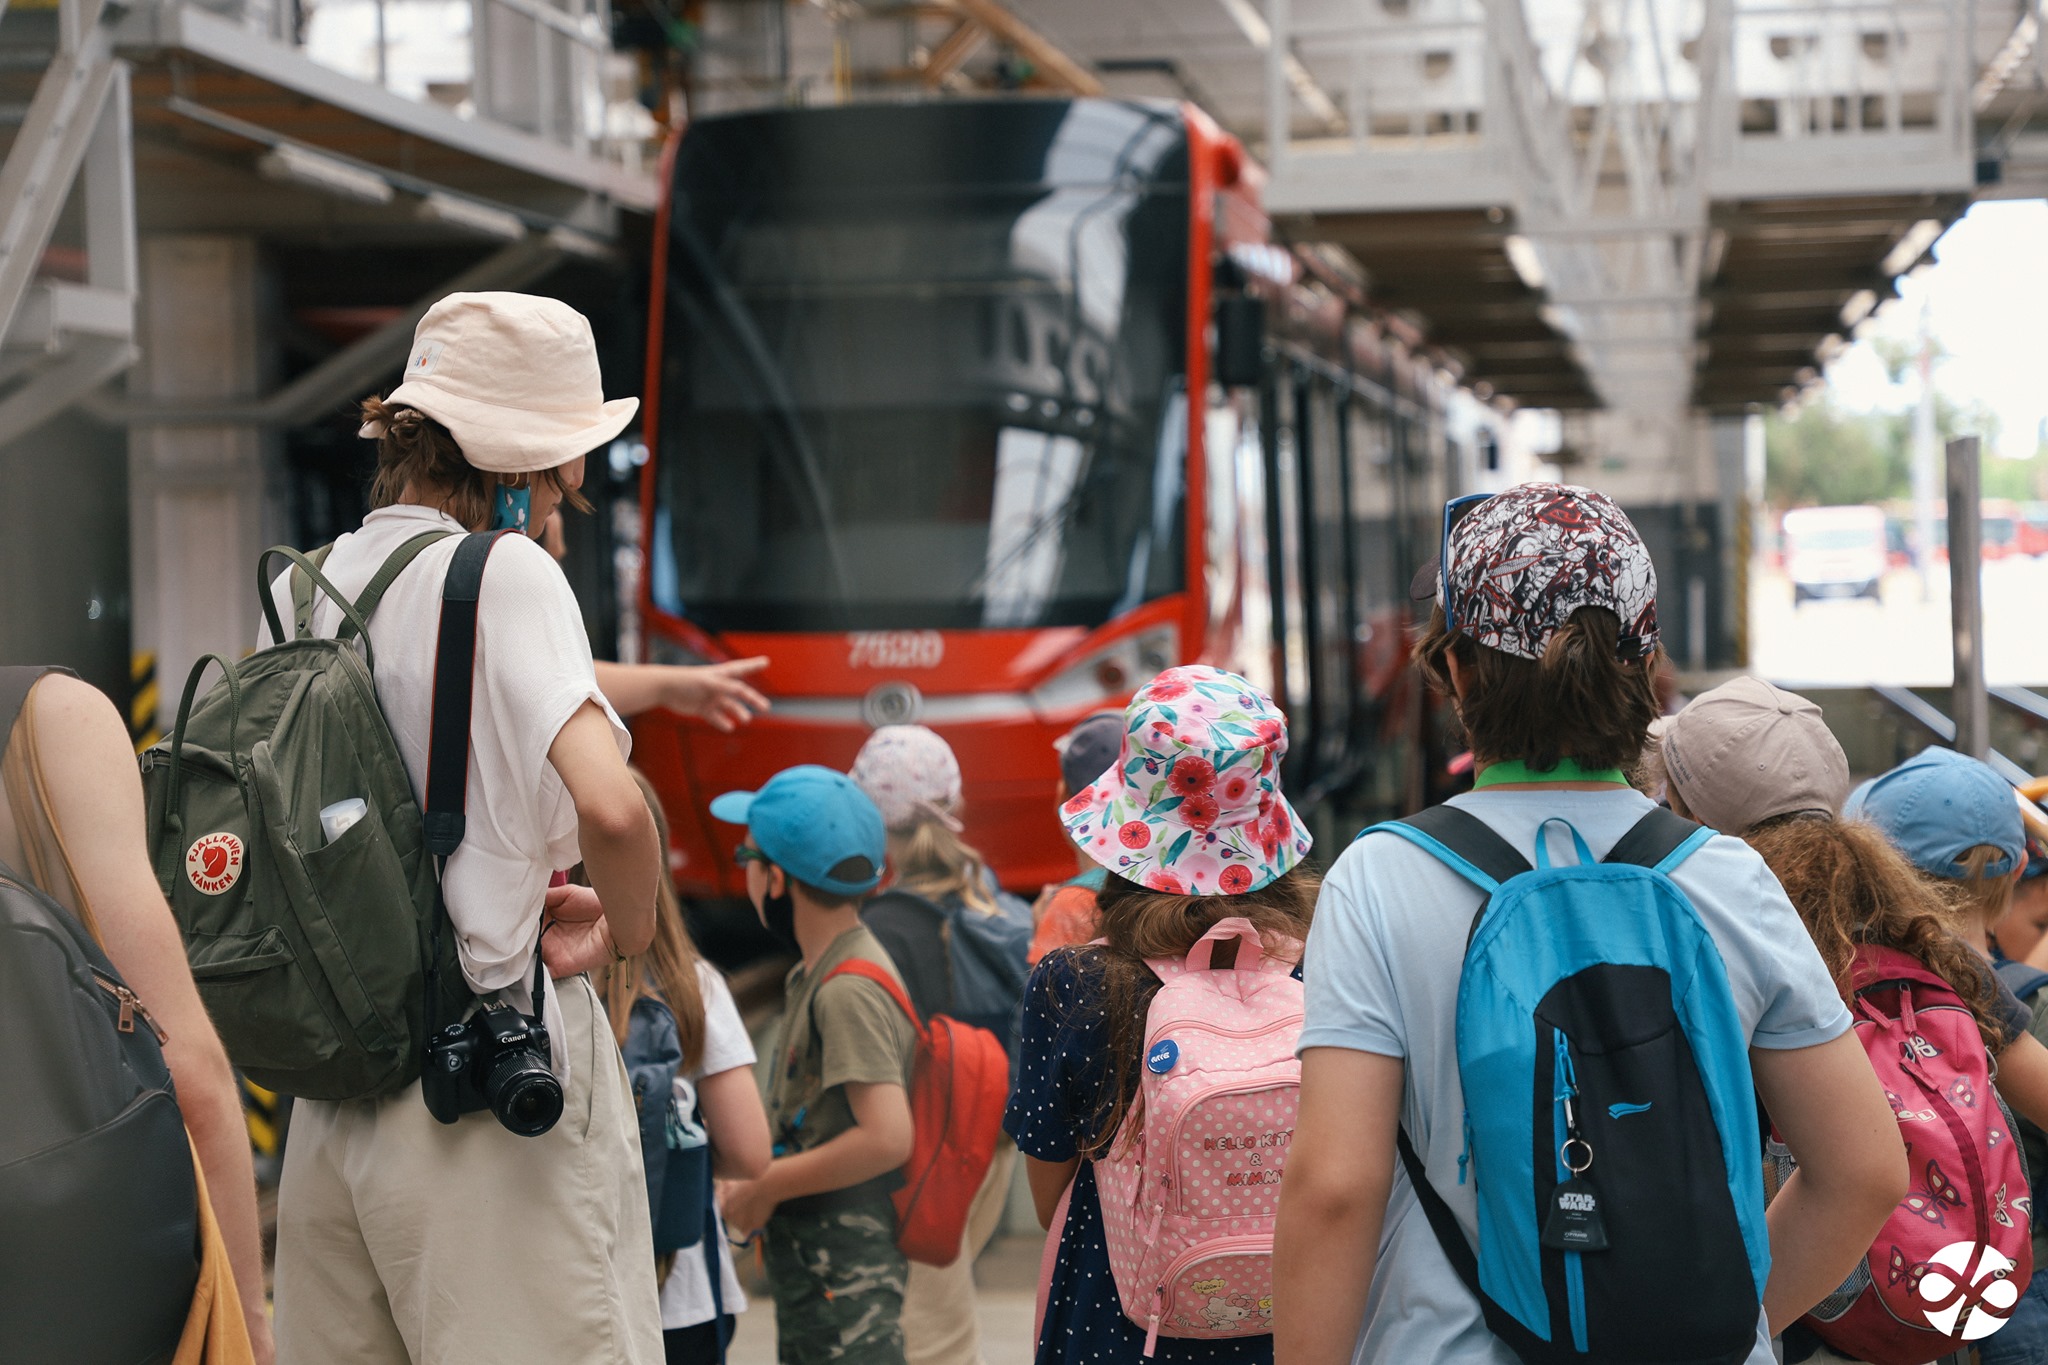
{"x":1193,"y":806}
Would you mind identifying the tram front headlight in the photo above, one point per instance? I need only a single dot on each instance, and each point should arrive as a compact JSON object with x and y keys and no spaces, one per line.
{"x":1114,"y":671}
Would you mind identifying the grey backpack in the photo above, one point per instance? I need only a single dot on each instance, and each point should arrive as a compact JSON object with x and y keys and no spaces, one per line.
{"x":99,"y":1214}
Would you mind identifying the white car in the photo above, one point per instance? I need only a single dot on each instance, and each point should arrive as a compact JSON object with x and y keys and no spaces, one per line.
{"x":1834,"y":552}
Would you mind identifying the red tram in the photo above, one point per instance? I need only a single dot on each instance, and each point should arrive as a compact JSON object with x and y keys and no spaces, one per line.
{"x":978,"y":414}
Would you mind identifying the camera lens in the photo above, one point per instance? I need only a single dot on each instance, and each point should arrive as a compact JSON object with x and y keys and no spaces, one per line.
{"x":526,"y":1098}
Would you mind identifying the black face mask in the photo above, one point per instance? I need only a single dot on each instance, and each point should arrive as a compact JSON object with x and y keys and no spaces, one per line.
{"x":779,"y":914}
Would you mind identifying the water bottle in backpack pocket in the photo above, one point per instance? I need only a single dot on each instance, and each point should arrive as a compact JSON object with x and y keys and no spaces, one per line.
{"x":1191,"y":1184}
{"x":1610,"y":1126}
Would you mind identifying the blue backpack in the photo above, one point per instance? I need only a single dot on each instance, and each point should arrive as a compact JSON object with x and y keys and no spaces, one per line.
{"x":1610,"y":1125}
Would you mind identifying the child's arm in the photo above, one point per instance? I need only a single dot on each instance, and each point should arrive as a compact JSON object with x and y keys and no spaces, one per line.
{"x":1333,"y":1200}
{"x":1049,"y":1180}
{"x":2023,"y":1078}
{"x":1826,"y":1103}
{"x":878,"y":1142}
{"x":738,"y":1125}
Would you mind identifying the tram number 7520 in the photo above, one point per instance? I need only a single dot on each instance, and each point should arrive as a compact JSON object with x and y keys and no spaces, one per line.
{"x":895,"y":649}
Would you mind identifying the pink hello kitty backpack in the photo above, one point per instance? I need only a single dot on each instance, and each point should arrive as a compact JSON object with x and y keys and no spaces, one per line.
{"x":1956,"y":1254}
{"x":1192,"y":1182}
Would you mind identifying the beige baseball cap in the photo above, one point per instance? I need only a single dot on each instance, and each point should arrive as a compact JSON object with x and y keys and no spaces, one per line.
{"x":513,"y":377}
{"x":1748,"y":751}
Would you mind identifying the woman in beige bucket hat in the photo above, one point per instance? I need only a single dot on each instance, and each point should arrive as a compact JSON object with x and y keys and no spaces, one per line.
{"x":511,"y":382}
{"x":402,"y":1239}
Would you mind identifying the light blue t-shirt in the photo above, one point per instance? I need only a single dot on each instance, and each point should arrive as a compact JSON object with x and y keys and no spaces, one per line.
{"x":1384,"y":954}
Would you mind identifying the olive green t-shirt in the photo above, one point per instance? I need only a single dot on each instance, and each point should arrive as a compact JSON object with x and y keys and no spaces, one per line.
{"x":833,"y":1032}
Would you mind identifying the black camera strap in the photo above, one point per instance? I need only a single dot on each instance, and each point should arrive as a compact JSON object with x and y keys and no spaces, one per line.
{"x":448,"y":745}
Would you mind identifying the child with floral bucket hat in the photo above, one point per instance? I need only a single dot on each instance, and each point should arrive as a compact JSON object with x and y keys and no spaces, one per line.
{"x":1204,"y":889}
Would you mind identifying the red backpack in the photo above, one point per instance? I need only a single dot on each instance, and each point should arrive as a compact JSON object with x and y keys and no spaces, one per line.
{"x":958,"y":1087}
{"x":1957,"y":1253}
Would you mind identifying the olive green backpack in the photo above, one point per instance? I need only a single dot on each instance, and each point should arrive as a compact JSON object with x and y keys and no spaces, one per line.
{"x":310,"y":952}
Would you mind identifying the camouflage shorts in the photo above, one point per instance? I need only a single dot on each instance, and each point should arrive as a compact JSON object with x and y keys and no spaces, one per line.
{"x":838,"y":1281}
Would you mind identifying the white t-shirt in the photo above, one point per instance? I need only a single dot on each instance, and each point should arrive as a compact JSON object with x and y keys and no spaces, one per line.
{"x":686,"y":1293}
{"x":533,"y":671}
{"x":1384,"y":955}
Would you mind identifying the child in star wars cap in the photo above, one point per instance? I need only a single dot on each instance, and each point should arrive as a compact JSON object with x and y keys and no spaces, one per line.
{"x":1543,"y":632}
{"x":1192,"y":829}
{"x":836,"y":1075}
{"x":501,"y":396}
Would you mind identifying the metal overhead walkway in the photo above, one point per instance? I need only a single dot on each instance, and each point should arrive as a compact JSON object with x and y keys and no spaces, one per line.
{"x":219,"y":224}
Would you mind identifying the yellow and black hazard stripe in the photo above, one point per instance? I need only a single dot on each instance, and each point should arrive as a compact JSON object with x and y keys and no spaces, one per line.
{"x":142,"y":700}
{"x":260,"y":1113}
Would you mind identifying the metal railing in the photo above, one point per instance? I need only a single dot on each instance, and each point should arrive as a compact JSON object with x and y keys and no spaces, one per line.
{"x":545,"y":67}
{"x":1841,"y":93}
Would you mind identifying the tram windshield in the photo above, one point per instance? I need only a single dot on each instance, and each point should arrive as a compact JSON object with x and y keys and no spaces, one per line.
{"x":922,"y":367}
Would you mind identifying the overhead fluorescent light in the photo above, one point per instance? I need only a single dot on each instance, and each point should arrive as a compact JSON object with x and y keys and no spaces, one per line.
{"x":1912,"y":246}
{"x":1858,"y":307}
{"x":1522,"y":256}
{"x":1259,"y":34}
{"x":297,"y":165}
{"x":467,"y":213}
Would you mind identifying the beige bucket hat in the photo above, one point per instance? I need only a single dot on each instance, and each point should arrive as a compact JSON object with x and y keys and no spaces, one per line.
{"x":513,"y":377}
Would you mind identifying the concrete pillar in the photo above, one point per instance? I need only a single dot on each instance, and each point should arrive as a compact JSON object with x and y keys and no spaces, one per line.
{"x":202,"y":503}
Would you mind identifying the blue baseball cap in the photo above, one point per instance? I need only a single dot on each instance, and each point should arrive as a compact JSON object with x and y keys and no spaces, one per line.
{"x":809,"y":821}
{"x":1940,"y":804}
{"x":1852,"y":809}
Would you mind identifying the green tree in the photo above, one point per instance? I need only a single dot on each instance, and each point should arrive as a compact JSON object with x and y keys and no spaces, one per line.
{"x":1826,"y":457}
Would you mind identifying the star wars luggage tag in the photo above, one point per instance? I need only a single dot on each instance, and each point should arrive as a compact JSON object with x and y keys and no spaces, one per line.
{"x":1574,"y":1223}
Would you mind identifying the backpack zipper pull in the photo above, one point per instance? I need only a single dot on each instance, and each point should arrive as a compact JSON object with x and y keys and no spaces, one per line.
{"x":131,"y":1006}
{"x":1465,"y":1153}
{"x":1152,"y":1322}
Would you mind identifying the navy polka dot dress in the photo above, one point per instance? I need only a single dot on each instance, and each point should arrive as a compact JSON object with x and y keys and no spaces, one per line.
{"x":1061,"y":1072}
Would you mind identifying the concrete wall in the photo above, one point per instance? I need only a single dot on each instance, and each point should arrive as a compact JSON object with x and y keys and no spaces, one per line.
{"x":203,"y":499}
{"x":64,"y":594}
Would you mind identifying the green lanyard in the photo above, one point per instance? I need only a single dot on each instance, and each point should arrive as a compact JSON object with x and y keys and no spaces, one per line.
{"x":1567,"y":770}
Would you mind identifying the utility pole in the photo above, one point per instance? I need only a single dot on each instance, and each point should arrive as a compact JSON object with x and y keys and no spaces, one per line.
{"x":1924,"y":476}
{"x":1966,"y":598}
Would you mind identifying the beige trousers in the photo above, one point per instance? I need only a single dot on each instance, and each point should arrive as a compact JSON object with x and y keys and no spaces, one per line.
{"x":939,"y":1322}
{"x":405,"y":1241}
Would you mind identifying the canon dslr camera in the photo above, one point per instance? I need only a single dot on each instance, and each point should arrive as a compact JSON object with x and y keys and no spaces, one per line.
{"x":497,"y":1059}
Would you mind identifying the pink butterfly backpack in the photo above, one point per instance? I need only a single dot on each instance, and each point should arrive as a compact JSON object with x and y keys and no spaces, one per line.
{"x":1957,"y":1253}
{"x":1192,"y":1182}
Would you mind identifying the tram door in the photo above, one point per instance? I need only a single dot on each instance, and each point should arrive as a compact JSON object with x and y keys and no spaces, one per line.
{"x":1313,"y":575}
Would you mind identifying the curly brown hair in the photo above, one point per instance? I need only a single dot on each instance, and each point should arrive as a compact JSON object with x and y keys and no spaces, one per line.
{"x":417,"y":452}
{"x":1141,"y":923}
{"x":1852,"y":887}
{"x":1578,"y":702}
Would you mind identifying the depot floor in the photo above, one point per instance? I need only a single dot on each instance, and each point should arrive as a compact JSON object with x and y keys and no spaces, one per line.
{"x":1007,"y":1279}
